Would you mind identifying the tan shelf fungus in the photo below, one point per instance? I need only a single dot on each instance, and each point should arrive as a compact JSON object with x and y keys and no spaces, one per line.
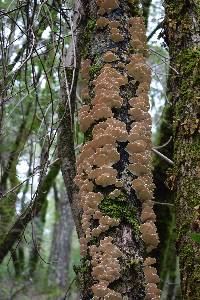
{"x":139,"y":149}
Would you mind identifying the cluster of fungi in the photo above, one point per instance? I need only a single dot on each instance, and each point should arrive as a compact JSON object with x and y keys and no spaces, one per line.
{"x":98,"y":155}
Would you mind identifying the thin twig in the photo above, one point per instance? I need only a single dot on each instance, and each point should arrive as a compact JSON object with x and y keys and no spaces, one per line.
{"x":69,"y":287}
{"x":165,"y":58}
{"x":37,"y":169}
{"x":163,"y":203}
{"x":169,"y":161}
{"x":164,"y":145}
{"x":159,"y":25}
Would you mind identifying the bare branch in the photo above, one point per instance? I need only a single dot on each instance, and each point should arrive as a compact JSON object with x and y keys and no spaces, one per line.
{"x":164,"y":145}
{"x":159,"y":25}
{"x":169,"y":161}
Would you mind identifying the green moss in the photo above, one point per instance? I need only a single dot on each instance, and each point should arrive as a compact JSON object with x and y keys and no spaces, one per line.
{"x":94,"y":70}
{"x":132,"y":262}
{"x":184,"y":229}
{"x":189,"y":59}
{"x":83,"y":273}
{"x":195,"y":237}
{"x":134,"y":8}
{"x":129,"y":93}
{"x":188,"y":65}
{"x":187,"y":251}
{"x":91,"y":24}
{"x":119,"y":209}
{"x":133,"y":265}
{"x":190,"y":184}
{"x":190,"y":150}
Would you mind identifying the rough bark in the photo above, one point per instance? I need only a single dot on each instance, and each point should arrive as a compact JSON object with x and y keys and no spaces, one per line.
{"x":182,"y":35}
{"x":61,"y":243}
{"x":165,"y":212}
{"x":126,"y":237}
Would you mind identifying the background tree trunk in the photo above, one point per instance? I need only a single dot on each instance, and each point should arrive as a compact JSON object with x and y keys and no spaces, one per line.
{"x":38,"y":224}
{"x":61,"y":242}
{"x":165,"y":211}
{"x":182,"y":35}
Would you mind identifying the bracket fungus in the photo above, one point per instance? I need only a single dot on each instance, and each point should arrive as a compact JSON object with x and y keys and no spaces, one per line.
{"x":114,"y":24}
{"x":107,"y":6}
{"x":110,"y":57}
{"x":106,"y":268}
{"x":115,"y":35}
{"x":102,"y":22}
{"x":138,"y":34}
{"x":139,"y":149}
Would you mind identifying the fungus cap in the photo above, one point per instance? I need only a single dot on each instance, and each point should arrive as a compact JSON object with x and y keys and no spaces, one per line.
{"x":110,"y":57}
{"x":115,"y":35}
{"x":114,"y":24}
{"x":102,"y":22}
{"x":138,"y":169}
{"x":151,"y":275}
{"x":148,"y":214}
{"x":108,"y":5}
{"x":136,"y":147}
{"x":149,"y":261}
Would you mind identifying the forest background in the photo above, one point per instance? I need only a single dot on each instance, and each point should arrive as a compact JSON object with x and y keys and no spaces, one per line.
{"x":39,"y":247}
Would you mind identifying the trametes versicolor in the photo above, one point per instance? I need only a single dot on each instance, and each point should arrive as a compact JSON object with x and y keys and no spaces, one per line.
{"x":97,"y":157}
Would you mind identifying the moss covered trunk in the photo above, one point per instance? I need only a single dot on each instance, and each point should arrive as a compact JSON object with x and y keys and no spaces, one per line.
{"x":111,"y":208}
{"x":182,"y":35}
{"x":164,"y":208}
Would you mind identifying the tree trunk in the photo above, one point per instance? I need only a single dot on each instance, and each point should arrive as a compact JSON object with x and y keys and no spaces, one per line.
{"x":108,"y":168}
{"x":61,"y":243}
{"x":182,"y":35}
{"x":37,"y":236}
{"x":68,"y":75}
{"x":164,"y":197}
